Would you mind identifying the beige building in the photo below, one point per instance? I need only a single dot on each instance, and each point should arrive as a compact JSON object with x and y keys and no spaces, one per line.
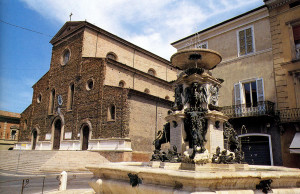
{"x":9,"y":129}
{"x":101,"y":93}
{"x":247,"y":94}
{"x":285,"y":33}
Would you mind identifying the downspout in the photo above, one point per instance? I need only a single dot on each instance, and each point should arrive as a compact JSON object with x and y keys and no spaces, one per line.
{"x":155,"y":121}
{"x":133,"y":67}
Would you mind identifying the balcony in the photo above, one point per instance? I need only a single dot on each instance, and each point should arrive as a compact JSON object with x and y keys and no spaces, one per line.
{"x":289,"y":115}
{"x":262,"y":108}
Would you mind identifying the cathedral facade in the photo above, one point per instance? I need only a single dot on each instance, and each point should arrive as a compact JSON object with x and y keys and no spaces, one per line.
{"x":101,"y":93}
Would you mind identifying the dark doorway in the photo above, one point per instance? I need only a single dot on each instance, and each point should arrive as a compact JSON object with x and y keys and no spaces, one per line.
{"x":34,"y":138}
{"x":57,"y":132}
{"x":85,"y":137}
{"x":256,"y":150}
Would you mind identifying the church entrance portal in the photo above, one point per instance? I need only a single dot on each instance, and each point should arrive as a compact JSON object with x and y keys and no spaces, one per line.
{"x":85,"y":137}
{"x":57,"y":132}
{"x":34,"y":138}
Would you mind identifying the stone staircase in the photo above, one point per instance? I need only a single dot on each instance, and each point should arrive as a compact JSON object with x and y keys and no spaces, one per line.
{"x":39,"y":162}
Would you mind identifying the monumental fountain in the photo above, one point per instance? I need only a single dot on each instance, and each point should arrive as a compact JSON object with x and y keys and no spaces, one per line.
{"x":205,"y":154}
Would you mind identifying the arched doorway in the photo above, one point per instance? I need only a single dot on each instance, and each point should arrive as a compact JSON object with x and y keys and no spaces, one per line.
{"x":257,"y":149}
{"x":34,"y":138}
{"x":57,"y":132}
{"x":85,"y":137}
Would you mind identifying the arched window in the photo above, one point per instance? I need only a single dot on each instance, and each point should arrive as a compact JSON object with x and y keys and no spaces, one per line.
{"x":151,"y":72}
{"x":25,"y":124}
{"x":39,"y":98}
{"x":112,"y":113}
{"x":147,"y":91}
{"x":112,"y":56}
{"x":66,"y":57}
{"x":51,"y":102}
{"x":122,"y":84}
{"x":71,"y":96}
{"x":90,"y":84}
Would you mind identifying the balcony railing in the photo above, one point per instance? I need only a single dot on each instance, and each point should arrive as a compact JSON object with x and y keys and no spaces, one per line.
{"x":249,"y":110}
{"x":289,"y":115}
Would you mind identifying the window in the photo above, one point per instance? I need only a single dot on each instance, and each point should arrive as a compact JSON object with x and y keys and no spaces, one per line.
{"x":151,"y":72}
{"x":245,"y":41}
{"x":51,"y":102}
{"x":112,"y":56}
{"x":66,"y":57}
{"x":71,"y":96}
{"x":25,"y":124}
{"x":249,"y":92}
{"x":167,"y":97}
{"x":296,"y":34}
{"x":122,"y":84}
{"x":90,"y":84}
{"x":112,"y":113}
{"x":39,"y":98}
{"x":202,"y":45}
{"x":13,"y":134}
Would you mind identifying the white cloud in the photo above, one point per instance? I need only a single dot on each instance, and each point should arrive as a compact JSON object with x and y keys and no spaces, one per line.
{"x":152,"y":25}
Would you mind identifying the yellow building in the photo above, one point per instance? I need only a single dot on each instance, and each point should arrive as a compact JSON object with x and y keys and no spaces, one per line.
{"x":285,"y":33}
{"x":9,"y":129}
{"x":247,"y":95}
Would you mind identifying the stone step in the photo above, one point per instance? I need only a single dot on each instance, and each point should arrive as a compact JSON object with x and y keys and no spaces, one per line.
{"x":47,"y":161}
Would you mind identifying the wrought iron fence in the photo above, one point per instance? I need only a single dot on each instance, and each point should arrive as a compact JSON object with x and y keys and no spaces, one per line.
{"x":249,"y":110}
{"x":289,"y":115}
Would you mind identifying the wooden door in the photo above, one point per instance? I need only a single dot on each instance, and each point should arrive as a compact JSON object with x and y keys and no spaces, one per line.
{"x":34,"y":136}
{"x":57,"y":131}
{"x":256,"y":150}
{"x":85,"y":138}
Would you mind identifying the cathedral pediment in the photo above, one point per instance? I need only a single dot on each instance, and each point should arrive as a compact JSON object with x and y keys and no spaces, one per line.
{"x":68,"y":28}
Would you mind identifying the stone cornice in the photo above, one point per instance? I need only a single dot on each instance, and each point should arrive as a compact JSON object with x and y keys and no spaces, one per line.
{"x":276,"y":3}
{"x":139,"y":72}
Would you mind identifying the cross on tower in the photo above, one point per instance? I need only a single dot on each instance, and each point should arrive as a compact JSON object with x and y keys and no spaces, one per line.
{"x":71,"y":16}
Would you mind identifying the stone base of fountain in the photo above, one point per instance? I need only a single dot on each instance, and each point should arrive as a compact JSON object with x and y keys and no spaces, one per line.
{"x":160,"y":177}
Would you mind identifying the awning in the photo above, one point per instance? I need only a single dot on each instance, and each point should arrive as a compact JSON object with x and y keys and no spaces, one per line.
{"x":295,"y":145}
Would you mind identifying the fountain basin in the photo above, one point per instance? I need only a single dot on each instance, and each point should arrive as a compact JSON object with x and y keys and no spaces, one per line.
{"x":159,"y":177}
{"x":207,"y":59}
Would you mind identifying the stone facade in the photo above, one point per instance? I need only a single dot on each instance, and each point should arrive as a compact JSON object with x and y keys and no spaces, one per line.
{"x":285,"y":33}
{"x":245,"y":45}
{"x":89,"y":100}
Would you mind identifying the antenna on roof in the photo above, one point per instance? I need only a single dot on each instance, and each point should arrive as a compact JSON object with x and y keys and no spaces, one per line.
{"x":71,"y":16}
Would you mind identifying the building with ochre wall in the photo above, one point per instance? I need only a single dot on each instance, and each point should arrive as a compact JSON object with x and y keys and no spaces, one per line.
{"x":285,"y":33}
{"x":248,"y":94}
{"x":9,"y":129}
{"x":101,"y":93}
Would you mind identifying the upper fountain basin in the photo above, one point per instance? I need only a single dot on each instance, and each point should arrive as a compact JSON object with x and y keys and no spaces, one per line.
{"x":196,"y":57}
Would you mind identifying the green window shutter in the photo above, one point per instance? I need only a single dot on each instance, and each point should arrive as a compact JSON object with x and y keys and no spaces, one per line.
{"x":237,"y":94}
{"x":249,"y":41}
{"x":260,"y":89}
{"x":242,"y":42}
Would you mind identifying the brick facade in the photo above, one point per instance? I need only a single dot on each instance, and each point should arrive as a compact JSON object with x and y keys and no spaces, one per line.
{"x":84,"y":91}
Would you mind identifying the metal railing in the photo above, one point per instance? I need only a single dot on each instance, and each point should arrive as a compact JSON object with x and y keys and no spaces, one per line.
{"x":289,"y":115}
{"x":249,"y":110}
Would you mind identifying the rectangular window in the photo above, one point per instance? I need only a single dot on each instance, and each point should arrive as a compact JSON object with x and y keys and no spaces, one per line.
{"x":249,"y":92}
{"x":245,"y":41}
{"x":296,"y":34}
{"x":202,"y":45}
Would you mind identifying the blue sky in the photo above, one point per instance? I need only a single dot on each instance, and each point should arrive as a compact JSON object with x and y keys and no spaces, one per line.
{"x":153,"y":25}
